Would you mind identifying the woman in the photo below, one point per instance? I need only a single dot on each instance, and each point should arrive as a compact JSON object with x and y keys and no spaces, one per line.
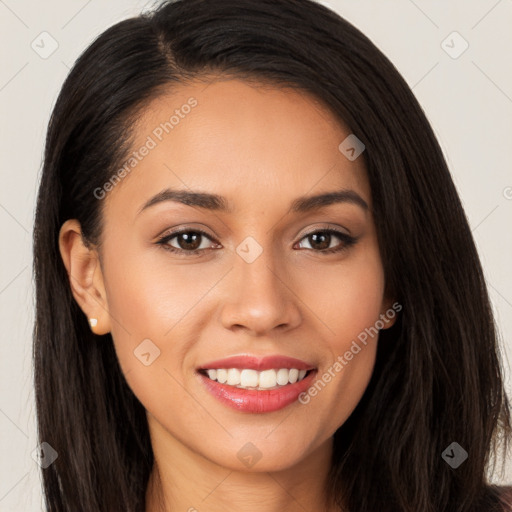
{"x":256,"y":285}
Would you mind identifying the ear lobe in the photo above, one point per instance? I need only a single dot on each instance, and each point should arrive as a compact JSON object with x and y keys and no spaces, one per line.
{"x":389,"y":312}
{"x":85,"y":276}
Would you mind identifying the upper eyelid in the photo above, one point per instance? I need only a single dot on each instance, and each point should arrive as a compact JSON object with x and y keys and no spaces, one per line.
{"x":327,"y":227}
{"x":324,"y":226}
{"x":172,"y":234}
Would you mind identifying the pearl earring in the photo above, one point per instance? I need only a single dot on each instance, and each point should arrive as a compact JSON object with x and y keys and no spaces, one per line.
{"x":93,"y":322}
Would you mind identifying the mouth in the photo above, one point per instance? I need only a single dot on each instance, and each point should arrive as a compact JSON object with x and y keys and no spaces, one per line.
{"x":247,"y":378}
{"x":253,"y":385}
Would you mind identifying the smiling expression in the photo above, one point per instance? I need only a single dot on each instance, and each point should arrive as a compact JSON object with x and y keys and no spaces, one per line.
{"x":244,"y":231}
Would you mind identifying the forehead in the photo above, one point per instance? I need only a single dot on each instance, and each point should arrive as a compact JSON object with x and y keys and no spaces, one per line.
{"x":251,"y":143}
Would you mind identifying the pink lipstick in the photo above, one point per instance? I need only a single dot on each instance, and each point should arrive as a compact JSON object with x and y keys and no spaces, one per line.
{"x":256,"y":385}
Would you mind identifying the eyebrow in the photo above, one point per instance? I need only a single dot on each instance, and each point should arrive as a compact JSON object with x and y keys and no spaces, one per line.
{"x":215,"y":202}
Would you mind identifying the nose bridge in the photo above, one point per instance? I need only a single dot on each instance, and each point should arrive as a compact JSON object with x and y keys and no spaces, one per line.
{"x":260,"y":298}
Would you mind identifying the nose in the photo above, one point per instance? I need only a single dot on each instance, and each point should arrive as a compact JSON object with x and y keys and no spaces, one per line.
{"x":260,"y":297}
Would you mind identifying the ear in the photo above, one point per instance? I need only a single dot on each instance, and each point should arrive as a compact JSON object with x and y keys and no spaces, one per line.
{"x":389,"y":312}
{"x":85,"y":276}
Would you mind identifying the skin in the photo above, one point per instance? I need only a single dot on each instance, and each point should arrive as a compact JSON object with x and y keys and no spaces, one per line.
{"x":260,"y":148}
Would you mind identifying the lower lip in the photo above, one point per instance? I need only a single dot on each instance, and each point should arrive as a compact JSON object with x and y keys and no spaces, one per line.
{"x":255,"y":401}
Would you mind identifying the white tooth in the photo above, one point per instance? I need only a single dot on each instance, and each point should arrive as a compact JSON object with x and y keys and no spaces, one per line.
{"x":268,"y":379}
{"x":249,"y":378}
{"x":233,"y":377}
{"x":282,"y":376}
{"x":222,"y":376}
{"x":294,"y":375}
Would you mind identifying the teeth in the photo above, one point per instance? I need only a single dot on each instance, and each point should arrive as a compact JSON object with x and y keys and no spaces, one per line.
{"x":249,"y":378}
{"x":268,"y":379}
{"x":282,"y":376}
{"x":252,"y":379}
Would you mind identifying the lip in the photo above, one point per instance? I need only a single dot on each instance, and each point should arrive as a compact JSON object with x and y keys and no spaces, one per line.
{"x":252,"y":400}
{"x":258,"y":363}
{"x":257,"y":401}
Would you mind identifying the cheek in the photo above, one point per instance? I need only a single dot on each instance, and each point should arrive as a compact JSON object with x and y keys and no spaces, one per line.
{"x":143,"y":305}
{"x":148,"y":299}
{"x":148,"y":309}
{"x":349,"y":305}
{"x":357,"y":308}
{"x":347,"y":298}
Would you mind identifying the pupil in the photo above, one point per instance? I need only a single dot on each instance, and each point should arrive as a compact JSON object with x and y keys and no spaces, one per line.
{"x":324,"y":243}
{"x":189,"y":239}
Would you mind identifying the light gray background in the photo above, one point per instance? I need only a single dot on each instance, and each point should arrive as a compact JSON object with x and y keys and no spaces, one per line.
{"x":467,"y":99}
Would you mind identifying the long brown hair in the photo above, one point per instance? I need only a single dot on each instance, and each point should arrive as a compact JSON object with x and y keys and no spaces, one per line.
{"x":438,"y":377}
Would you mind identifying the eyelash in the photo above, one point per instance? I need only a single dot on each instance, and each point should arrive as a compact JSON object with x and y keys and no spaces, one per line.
{"x":347,"y":241}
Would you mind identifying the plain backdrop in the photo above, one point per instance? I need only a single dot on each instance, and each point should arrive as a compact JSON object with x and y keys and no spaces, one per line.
{"x":463,"y":82}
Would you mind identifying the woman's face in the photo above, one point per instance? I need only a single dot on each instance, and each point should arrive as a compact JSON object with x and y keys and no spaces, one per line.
{"x":261,"y":283}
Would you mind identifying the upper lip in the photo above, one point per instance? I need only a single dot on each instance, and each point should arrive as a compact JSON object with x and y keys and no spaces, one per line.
{"x":258,"y":363}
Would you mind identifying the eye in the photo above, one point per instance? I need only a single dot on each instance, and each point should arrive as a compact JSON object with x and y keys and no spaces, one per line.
{"x":320,"y":240}
{"x":190,"y":242}
{"x":186,"y":241}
